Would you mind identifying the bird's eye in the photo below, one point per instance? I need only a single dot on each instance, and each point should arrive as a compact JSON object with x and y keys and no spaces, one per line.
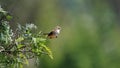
{"x":58,"y":28}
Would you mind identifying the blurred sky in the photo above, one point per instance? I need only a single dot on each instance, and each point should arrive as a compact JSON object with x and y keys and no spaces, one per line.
{"x":90,"y":30}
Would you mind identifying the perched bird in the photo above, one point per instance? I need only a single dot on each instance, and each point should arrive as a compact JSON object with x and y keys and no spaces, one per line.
{"x":54,"y":33}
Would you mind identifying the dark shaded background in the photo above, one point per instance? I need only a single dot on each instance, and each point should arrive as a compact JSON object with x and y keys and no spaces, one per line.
{"x":90,"y":36}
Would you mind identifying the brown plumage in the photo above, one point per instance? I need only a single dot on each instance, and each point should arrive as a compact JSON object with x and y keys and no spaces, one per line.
{"x":54,"y":33}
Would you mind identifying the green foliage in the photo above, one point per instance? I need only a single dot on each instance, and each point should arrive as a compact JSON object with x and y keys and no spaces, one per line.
{"x":22,"y":44}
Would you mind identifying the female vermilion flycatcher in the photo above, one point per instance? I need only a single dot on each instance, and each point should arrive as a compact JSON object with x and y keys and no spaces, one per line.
{"x":54,"y":33}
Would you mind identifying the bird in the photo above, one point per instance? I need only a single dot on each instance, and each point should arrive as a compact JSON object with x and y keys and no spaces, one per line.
{"x":54,"y":33}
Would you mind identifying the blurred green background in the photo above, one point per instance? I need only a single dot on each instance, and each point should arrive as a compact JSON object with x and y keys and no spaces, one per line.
{"x":90,"y":35}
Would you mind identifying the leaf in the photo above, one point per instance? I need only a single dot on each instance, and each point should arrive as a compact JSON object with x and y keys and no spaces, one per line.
{"x":34,"y":40}
{"x":49,"y":51}
{"x":2,"y":48}
{"x":19,"y":46}
{"x":25,"y":60}
{"x":42,"y":39}
{"x":1,"y":8}
{"x":19,"y":39}
{"x":8,"y":17}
